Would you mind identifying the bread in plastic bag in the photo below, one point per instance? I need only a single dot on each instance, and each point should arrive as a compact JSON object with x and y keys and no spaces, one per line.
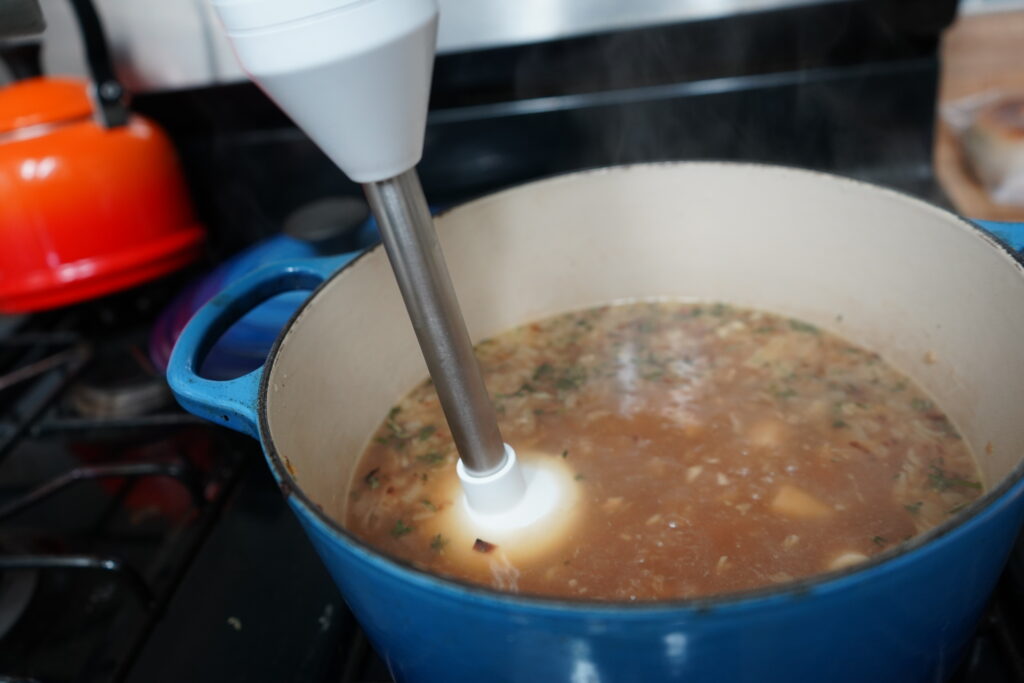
{"x":990,"y":128}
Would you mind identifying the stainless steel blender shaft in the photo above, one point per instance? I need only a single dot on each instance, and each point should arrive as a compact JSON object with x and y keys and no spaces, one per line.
{"x":411,"y":243}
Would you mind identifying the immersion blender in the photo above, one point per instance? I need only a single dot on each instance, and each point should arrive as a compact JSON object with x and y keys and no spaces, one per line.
{"x":355,"y":76}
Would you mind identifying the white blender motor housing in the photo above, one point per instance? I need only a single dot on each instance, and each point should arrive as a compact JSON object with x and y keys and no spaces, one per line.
{"x":355,"y":76}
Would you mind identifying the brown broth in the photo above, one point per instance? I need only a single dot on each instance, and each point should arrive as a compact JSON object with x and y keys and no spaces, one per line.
{"x":717,"y":449}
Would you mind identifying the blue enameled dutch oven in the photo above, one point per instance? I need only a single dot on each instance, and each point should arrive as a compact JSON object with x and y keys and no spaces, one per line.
{"x":939,"y":297}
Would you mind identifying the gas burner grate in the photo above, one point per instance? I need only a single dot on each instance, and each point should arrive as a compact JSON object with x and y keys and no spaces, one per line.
{"x":107,"y":491}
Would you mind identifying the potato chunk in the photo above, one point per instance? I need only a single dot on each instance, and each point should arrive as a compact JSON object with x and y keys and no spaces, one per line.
{"x":796,"y":503}
{"x":767,"y":433}
{"x":846,"y":559}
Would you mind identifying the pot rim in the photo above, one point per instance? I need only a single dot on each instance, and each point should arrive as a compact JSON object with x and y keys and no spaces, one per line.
{"x":796,"y":588}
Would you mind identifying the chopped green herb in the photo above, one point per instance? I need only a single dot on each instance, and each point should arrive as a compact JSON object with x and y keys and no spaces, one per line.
{"x":524,"y":388}
{"x":913,"y":508}
{"x":543,"y":370}
{"x":941,"y":480}
{"x":651,"y":359}
{"x":719,"y":309}
{"x":879,"y":540}
{"x":764,"y":329}
{"x":938,"y":421}
{"x":956,"y":508}
{"x":382,"y":440}
{"x":371,"y":478}
{"x":427,"y":504}
{"x":788,"y":392}
{"x":426,"y":432}
{"x":432,"y":458}
{"x":438,"y":543}
{"x":400,"y":529}
{"x":579,"y":477}
{"x":572,"y":378}
{"x":565,"y":453}
{"x":396,"y":434}
{"x":921,"y":404}
{"x":800,"y":326}
{"x":839,"y":424}
{"x":538,"y":411}
{"x":696,"y":312}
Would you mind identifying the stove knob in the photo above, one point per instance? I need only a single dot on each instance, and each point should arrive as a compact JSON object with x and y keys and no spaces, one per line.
{"x":331,"y":225}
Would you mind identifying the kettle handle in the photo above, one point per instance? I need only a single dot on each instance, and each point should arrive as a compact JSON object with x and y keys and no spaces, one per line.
{"x":234,"y":402}
{"x":106,"y":90}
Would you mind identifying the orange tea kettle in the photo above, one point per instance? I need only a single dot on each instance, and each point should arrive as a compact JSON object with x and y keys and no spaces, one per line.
{"x":92,"y":198}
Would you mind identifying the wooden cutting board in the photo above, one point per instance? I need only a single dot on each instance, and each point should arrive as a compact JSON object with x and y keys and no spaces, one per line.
{"x":979,"y":53}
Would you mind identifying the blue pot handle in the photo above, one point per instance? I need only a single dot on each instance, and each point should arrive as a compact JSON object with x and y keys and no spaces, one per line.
{"x":1011,"y":233}
{"x":233,"y":402}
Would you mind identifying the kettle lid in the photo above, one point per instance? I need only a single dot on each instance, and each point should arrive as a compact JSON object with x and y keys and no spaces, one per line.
{"x":43,"y":100}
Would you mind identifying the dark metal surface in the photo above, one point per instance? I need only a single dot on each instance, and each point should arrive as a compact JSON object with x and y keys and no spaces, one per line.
{"x":20,"y":18}
{"x":101,"y":519}
{"x":39,"y":367}
{"x":54,"y":379}
{"x":255,"y":605}
{"x":180,"y":471}
{"x":112,"y":565}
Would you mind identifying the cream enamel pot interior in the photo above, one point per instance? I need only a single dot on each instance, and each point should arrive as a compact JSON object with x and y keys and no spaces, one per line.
{"x":939,"y":298}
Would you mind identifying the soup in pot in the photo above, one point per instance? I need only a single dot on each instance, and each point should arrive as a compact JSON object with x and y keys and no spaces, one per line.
{"x":714,"y":449}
